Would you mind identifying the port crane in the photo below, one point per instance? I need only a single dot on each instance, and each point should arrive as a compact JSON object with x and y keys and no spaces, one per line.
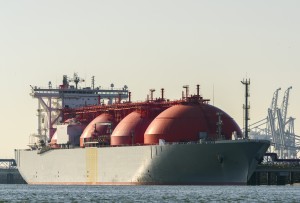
{"x":278,"y":128}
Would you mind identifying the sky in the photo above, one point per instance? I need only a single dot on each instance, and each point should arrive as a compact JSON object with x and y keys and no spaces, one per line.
{"x":148,"y":44}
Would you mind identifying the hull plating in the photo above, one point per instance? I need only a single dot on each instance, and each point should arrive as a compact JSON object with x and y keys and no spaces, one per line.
{"x":215,"y":163}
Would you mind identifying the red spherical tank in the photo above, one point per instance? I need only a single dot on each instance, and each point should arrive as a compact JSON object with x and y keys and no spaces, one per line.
{"x":184,"y":123}
{"x":95,"y":127}
{"x":130,"y":130}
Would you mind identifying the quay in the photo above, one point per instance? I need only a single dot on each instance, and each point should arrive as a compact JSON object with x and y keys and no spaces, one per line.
{"x":275,"y":171}
{"x":9,"y":173}
{"x":275,"y":175}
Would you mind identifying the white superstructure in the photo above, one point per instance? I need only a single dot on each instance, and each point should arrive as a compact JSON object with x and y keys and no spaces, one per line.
{"x":52,"y":100}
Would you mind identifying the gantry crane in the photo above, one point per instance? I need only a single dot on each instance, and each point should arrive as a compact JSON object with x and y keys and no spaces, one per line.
{"x":279,"y":128}
{"x":271,"y":117}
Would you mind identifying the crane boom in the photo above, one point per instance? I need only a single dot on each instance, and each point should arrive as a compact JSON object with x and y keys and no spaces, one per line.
{"x":272,"y":111}
{"x":285,"y":103}
{"x":274,"y":101}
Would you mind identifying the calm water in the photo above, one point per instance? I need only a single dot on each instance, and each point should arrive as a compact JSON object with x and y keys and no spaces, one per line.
{"x":29,"y":193}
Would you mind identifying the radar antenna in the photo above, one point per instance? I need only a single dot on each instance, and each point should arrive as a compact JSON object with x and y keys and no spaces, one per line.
{"x":76,"y":79}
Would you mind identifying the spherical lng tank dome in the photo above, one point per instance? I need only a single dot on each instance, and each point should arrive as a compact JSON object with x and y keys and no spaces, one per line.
{"x":95,"y":126}
{"x":184,"y":123}
{"x":130,"y":130}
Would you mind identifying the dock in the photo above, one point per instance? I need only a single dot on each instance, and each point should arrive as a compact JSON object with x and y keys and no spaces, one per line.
{"x":9,"y":173}
{"x":275,"y":171}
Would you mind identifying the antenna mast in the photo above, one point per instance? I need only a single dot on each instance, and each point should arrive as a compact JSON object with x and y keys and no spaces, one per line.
{"x":246,"y":106}
{"x":93,"y":82}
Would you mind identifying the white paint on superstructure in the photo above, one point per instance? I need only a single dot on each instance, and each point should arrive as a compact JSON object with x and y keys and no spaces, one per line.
{"x":52,"y":100}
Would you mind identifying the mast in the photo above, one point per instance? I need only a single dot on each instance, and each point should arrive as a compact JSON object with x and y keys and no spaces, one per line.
{"x":246,"y":106}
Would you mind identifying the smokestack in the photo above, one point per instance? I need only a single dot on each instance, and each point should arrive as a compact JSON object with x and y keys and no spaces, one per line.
{"x":186,"y":87}
{"x":151,"y":91}
{"x":162,"y":93}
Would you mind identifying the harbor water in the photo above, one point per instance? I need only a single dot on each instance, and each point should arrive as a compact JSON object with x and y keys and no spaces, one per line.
{"x":47,"y":193}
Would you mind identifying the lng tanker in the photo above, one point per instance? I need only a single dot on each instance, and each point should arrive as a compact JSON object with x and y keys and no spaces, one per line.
{"x":98,"y":136}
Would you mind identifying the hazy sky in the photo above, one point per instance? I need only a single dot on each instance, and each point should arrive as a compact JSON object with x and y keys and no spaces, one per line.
{"x":148,"y":44}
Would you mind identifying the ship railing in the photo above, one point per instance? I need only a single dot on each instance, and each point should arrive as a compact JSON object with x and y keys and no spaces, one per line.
{"x":97,"y":144}
{"x":91,"y":144}
{"x":182,"y":143}
{"x":57,"y":88}
{"x":102,"y":140}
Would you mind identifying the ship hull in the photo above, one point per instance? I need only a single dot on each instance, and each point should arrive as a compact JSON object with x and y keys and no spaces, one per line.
{"x":229,"y":162}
